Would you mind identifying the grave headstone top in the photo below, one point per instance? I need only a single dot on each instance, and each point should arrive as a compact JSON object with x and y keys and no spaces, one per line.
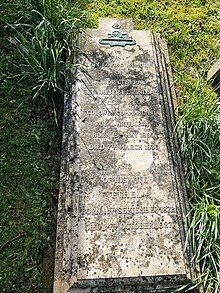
{"x":214,"y":75}
{"x":122,"y":206}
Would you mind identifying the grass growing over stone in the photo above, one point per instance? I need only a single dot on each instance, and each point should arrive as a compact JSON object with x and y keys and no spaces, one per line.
{"x":30,"y":137}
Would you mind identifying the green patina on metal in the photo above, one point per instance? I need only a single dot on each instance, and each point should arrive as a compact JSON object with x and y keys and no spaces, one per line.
{"x":117,"y":38}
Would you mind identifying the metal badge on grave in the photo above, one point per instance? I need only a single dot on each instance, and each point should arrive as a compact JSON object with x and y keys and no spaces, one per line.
{"x":117,"y":38}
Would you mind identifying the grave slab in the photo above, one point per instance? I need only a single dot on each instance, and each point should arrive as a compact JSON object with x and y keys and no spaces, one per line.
{"x":121,"y":224}
{"x":214,"y":76}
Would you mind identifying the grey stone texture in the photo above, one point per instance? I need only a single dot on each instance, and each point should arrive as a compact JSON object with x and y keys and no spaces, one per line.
{"x":121,"y":224}
{"x":214,"y":75}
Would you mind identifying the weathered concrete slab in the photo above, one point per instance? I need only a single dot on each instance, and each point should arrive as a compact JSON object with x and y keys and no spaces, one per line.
{"x":214,"y":75}
{"x":122,"y":206}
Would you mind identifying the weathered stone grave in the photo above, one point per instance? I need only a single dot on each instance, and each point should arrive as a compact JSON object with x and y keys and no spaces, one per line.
{"x":214,"y":76}
{"x":122,"y":205}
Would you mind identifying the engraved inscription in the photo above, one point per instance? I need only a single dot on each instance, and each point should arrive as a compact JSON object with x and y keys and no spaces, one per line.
{"x":120,"y":213}
{"x":123,"y":147}
{"x":117,"y":92}
{"x":104,"y":210}
{"x":131,"y":225}
{"x":125,"y":179}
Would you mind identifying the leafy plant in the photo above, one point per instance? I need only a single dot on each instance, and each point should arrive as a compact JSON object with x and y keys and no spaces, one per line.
{"x":42,"y":32}
{"x":45,"y":35}
{"x":32,"y":75}
{"x":199,"y":132}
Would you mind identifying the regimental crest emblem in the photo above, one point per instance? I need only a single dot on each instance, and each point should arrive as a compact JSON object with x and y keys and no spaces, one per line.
{"x":117,"y":38}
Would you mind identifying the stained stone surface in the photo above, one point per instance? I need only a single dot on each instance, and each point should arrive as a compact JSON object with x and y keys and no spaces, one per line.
{"x":214,"y":75}
{"x":122,"y":205}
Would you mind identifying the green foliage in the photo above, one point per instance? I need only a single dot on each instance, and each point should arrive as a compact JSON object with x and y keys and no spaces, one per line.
{"x":28,"y":177}
{"x":42,"y":36}
{"x":199,"y":131}
{"x":32,"y":71}
{"x":45,"y":34}
{"x":191,"y":28}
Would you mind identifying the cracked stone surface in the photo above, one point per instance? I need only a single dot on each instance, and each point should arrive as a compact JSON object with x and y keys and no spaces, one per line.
{"x":122,"y":206}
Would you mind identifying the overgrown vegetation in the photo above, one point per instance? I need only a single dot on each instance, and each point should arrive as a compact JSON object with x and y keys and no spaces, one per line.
{"x":30,"y":138}
{"x":45,"y":34}
{"x":37,"y":37}
{"x":199,"y":131}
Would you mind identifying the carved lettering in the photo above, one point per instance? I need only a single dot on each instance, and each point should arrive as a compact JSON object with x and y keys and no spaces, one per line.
{"x":127,"y":147}
{"x":93,"y":147}
{"x":99,"y":135}
{"x":132,"y":225}
{"x":117,"y":92}
{"x":123,"y":179}
{"x":124,"y":194}
{"x":106,"y":210}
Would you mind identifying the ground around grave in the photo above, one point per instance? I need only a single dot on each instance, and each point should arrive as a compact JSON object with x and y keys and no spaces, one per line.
{"x":29,"y":143}
{"x":30,"y":140}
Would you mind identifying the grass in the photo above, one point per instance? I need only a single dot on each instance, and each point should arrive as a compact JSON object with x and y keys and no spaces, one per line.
{"x":34,"y":46}
{"x":28,"y":144}
{"x":199,"y":131}
{"x":45,"y":34}
{"x":28,"y":178}
{"x":30,"y":137}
